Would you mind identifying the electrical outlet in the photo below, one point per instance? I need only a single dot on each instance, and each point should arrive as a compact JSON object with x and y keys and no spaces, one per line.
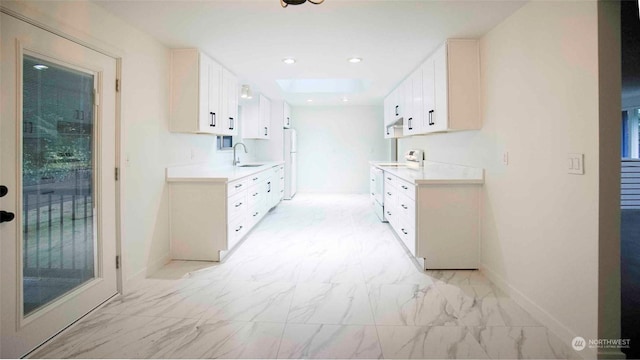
{"x":575,"y":163}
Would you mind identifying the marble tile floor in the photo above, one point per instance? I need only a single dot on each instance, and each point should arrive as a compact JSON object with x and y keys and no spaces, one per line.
{"x":319,"y":277}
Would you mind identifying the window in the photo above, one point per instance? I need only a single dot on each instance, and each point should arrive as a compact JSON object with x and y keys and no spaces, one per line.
{"x":630,"y":144}
{"x":225,"y":142}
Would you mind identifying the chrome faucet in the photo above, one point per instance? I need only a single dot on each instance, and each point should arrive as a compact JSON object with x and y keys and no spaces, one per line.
{"x":236,"y":161}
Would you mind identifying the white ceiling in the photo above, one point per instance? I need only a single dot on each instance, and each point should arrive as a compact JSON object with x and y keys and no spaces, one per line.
{"x":251,"y":37}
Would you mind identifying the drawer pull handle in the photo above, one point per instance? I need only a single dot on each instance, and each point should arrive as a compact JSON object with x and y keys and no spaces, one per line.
{"x":388,"y":193}
{"x":238,"y":186}
{"x":404,"y":187}
{"x":404,"y":232}
{"x":239,"y":204}
{"x":255,"y":194}
{"x":256,"y":214}
{"x":372,"y":193}
{"x":404,"y":206}
{"x":238,"y":229}
{"x":388,"y":213}
{"x":389,"y":178}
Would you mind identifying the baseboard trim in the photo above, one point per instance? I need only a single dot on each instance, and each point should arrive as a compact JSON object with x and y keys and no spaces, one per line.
{"x":546,"y":319}
{"x":151,"y":267}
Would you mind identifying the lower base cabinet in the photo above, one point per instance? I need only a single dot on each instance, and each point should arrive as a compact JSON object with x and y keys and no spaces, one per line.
{"x":439,"y":223}
{"x":209,"y":217}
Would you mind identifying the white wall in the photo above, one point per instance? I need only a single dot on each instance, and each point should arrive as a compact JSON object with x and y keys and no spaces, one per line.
{"x":147,"y":145}
{"x":540,"y":102}
{"x":335,"y":145}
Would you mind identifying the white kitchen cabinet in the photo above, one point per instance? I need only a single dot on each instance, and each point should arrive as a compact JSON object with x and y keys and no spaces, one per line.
{"x":391,"y":129}
{"x":256,"y":120}
{"x":286,"y":118}
{"x":428,"y":93}
{"x":207,"y":217}
{"x":447,"y":98}
{"x":229,"y":103}
{"x":457,"y":87}
{"x":195,"y":93}
{"x":413,"y":104}
{"x":439,"y":220}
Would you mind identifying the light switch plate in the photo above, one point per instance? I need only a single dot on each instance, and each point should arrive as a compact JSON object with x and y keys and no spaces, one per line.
{"x":575,"y":163}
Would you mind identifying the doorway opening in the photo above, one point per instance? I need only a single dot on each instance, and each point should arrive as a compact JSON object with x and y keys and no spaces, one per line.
{"x":630,"y":179}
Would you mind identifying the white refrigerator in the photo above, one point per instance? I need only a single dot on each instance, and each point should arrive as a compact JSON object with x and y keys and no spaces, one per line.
{"x":290,"y":164}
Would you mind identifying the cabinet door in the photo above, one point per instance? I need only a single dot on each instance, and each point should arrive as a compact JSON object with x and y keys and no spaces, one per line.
{"x":204,"y":120}
{"x":441,"y":114}
{"x":287,"y":116}
{"x":265,"y":117}
{"x":417,"y":107}
{"x":229,"y":103}
{"x":406,"y":104}
{"x":213,"y":99}
{"x":428,"y":94}
{"x":398,"y":98}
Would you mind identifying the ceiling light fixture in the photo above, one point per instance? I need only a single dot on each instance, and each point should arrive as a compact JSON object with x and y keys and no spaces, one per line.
{"x":285,"y":3}
{"x":40,"y":67}
{"x":355,"y":60}
{"x":309,"y":100}
{"x":289,"y":61}
{"x":245,"y":92}
{"x":344,"y":99}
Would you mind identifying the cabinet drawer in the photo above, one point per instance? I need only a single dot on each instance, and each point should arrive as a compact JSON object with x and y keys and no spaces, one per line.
{"x":408,"y":236}
{"x":407,"y":209}
{"x":256,"y":194}
{"x":236,"y":205}
{"x":390,"y":194}
{"x":236,"y":231}
{"x":406,"y":188}
{"x":256,"y":178}
{"x":235,"y":187}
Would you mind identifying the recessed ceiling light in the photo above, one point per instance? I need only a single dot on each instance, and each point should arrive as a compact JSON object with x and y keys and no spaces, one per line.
{"x":309,"y":100}
{"x":40,"y":67}
{"x":355,"y":60}
{"x":345,"y":99}
{"x":289,"y":61}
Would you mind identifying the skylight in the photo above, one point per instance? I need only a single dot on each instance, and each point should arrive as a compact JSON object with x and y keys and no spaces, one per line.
{"x":307,"y":86}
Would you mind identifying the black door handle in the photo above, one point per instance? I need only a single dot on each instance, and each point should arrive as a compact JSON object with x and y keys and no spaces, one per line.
{"x":3,"y":190}
{"x":6,"y":216}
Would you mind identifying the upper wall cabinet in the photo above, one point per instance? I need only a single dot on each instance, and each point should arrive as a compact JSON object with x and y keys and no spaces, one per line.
{"x":256,"y":119}
{"x":286,"y":118}
{"x":442,"y":95}
{"x":413,"y":104}
{"x":457,"y":87}
{"x":203,"y":95}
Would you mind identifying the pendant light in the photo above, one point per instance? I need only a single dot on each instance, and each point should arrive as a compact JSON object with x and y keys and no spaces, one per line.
{"x":286,"y":3}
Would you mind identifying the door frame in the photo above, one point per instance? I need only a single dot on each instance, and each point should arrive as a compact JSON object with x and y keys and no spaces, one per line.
{"x":23,"y":13}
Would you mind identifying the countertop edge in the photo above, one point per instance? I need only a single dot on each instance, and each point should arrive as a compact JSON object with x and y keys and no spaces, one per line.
{"x":218,"y":173}
{"x":442,"y":181}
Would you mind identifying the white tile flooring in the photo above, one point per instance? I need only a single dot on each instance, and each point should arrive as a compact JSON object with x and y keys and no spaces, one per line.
{"x":319,"y":277}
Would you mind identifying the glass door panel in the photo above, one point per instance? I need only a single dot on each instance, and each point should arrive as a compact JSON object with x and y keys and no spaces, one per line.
{"x":59,"y":241}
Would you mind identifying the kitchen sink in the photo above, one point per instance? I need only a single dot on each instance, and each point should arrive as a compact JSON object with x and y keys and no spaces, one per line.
{"x":249,"y":165}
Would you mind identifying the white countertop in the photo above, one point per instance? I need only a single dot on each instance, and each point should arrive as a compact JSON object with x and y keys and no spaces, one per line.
{"x":434,"y":173}
{"x":204,"y":172}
